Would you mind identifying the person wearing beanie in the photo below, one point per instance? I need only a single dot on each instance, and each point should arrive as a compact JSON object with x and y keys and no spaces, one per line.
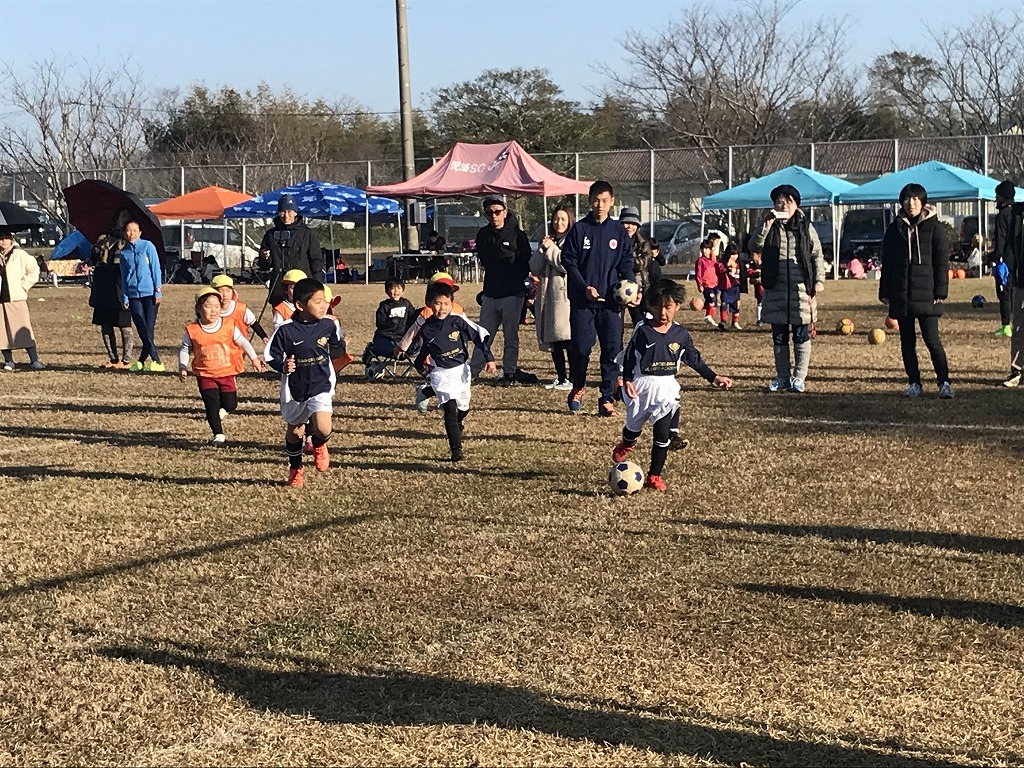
{"x":793,"y":274}
{"x":915,"y":282}
{"x":646,"y":269}
{"x":1008,"y":271}
{"x":288,"y":245}
{"x":504,"y":253}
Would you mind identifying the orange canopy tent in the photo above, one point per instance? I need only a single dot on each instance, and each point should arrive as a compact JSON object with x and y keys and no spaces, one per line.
{"x":205,"y":203}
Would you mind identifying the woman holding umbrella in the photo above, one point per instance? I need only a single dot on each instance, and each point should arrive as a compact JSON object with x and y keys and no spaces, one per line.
{"x":18,"y":273}
{"x":105,"y":298}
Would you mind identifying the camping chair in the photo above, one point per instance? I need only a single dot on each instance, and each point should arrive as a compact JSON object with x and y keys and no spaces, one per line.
{"x":379,"y":365}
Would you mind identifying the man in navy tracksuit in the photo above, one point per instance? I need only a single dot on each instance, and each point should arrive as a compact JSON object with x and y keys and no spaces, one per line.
{"x":596,"y":254}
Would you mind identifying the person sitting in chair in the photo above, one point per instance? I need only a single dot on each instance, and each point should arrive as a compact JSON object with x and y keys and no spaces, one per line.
{"x":393,"y":317}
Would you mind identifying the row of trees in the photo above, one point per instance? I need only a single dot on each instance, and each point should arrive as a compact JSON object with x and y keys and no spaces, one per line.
{"x":746,"y":74}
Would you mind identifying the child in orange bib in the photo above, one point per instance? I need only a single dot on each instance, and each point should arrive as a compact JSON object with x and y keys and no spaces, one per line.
{"x":212,"y":342}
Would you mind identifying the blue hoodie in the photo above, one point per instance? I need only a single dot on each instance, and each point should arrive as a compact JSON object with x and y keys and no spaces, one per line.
{"x":140,"y":271}
{"x":597,"y":255}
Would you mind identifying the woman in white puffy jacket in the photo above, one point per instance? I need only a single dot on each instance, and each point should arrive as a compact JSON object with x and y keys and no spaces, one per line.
{"x":18,"y":272}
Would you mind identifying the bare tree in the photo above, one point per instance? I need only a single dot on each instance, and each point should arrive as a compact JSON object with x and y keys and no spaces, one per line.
{"x":70,"y":119}
{"x":733,"y":77}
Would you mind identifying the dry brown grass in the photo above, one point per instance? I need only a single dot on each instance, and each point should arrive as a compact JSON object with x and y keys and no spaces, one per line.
{"x":832,"y":579}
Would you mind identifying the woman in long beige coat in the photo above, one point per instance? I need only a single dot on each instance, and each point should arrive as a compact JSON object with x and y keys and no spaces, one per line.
{"x":552,"y":304}
{"x":18,"y":272}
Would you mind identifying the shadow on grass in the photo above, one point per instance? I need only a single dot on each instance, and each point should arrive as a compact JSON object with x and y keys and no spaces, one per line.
{"x":1001,"y":615}
{"x":958,"y":542}
{"x":79,"y":577}
{"x":41,"y":472}
{"x":123,"y":439}
{"x":404,"y":698}
{"x":134,"y":409}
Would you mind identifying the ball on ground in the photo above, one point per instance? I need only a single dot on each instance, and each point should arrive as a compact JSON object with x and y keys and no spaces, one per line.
{"x":978,"y":301}
{"x":845,"y":326}
{"x":876,"y":336}
{"x":625,"y":478}
{"x":696,"y":304}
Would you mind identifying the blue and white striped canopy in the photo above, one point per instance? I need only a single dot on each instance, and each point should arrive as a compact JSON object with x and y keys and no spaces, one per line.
{"x":317,"y":200}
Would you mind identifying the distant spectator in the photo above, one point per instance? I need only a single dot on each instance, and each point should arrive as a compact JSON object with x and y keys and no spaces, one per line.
{"x":141,"y":292}
{"x":646,"y":269}
{"x":974,"y":259}
{"x":105,"y":296}
{"x":18,"y":273}
{"x":435,"y":243}
{"x":1010,"y":265}
{"x":289,"y":245}
{"x":552,"y":304}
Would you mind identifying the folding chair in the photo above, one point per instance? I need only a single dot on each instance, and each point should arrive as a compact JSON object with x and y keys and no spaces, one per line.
{"x":378,"y":366}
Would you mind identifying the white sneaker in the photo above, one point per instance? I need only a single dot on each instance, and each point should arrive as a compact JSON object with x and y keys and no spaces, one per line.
{"x":218,"y":440}
{"x":778,"y":385}
{"x":946,"y":391}
{"x":553,"y":385}
{"x":8,"y":366}
{"x":914,"y":390}
{"x":709,"y":320}
{"x":223,"y":414}
{"x":564,"y":386}
{"x":422,"y":399}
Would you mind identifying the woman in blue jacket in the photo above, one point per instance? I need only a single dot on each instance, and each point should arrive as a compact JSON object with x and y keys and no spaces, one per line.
{"x":141,"y":284}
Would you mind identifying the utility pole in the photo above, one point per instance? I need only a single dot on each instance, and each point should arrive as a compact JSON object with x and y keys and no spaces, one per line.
{"x":412,"y":235}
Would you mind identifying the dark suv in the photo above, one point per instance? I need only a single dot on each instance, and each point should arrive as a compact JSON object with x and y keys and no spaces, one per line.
{"x":863,"y":230}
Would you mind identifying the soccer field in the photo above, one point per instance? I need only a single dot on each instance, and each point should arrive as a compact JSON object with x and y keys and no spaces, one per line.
{"x":833,"y":578}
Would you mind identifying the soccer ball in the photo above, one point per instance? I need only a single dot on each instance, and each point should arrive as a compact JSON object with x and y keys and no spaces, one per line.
{"x":876,"y":336}
{"x":626,"y":291}
{"x":625,"y":478}
{"x":845,"y":326}
{"x":978,"y":301}
{"x":696,"y":304}
{"x":892,"y":323}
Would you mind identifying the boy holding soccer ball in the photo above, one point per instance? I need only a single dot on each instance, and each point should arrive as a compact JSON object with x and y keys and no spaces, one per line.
{"x":649,"y":367}
{"x":300,"y":351}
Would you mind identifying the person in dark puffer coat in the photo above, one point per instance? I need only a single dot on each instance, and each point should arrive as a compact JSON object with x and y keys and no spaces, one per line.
{"x":915,"y":282}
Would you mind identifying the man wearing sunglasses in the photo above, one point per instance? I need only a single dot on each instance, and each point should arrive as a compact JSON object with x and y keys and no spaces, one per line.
{"x":504,"y":253}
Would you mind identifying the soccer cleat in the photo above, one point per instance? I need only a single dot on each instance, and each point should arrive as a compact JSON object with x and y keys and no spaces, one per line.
{"x":946,"y":391}
{"x":154,"y":367}
{"x":621,"y":451}
{"x":605,"y":410}
{"x":422,"y":398}
{"x":796,"y":385}
{"x":1004,"y":330}
{"x":321,"y":458}
{"x":112,"y":364}
{"x":295,"y":478}
{"x":678,"y":443}
{"x":723,"y":327}
{"x":710,"y":320}
{"x":135,"y":366}
{"x":574,"y":401}
{"x":223,"y":414}
{"x":914,"y":390}
{"x":457,"y":456}
{"x":218,"y":440}
{"x":1013,"y":380}
{"x":778,"y":385}
{"x":736,"y":326}
{"x":655,"y":482}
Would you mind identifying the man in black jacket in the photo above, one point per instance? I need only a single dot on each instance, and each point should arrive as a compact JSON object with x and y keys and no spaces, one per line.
{"x":504,"y":253}
{"x":1006,"y":249}
{"x":290,"y":244}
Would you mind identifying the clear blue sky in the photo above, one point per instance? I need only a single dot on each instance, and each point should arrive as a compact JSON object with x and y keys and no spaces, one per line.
{"x":347,"y":48}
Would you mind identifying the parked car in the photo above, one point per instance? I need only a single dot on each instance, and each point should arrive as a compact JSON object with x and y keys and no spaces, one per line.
{"x":684,"y":245}
{"x":46,"y":234}
{"x":862,"y":233}
{"x":208,"y":239}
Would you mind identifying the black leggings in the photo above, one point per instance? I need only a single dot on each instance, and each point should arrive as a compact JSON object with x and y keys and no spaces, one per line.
{"x":559,"y":354}
{"x":663,"y":428}
{"x":453,"y":419}
{"x":908,"y":346}
{"x":213,"y":401}
{"x":1003,"y":294}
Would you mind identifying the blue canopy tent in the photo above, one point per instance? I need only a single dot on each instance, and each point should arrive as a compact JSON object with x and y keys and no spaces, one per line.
{"x":74,"y":246}
{"x":816,"y":189}
{"x":941,"y":180}
{"x":322,"y":200}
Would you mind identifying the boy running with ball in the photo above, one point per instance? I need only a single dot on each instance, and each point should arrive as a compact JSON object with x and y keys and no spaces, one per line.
{"x":300,"y":351}
{"x":649,"y":367}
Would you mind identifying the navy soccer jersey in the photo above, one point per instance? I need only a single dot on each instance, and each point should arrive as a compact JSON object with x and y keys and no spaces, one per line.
{"x":650,"y":353}
{"x":447,"y":341}
{"x":310,"y":342}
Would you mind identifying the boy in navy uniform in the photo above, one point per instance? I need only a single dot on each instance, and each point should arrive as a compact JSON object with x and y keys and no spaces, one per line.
{"x":446,"y":338}
{"x":649,"y":367}
{"x":596,"y":254}
{"x":300,"y":351}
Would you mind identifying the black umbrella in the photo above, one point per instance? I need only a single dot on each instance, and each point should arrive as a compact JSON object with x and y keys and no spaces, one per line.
{"x":93,"y":206}
{"x":14,"y":218}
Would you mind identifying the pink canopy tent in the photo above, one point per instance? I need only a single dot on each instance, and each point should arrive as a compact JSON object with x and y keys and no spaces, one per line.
{"x":479,"y":169}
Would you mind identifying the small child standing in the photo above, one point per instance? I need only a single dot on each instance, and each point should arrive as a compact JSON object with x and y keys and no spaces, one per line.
{"x":235,"y":309}
{"x":216,"y":346}
{"x":706,"y":277}
{"x":728,"y":269}
{"x":650,"y":389}
{"x":446,"y":338}
{"x":300,"y":351}
{"x":284,"y":310}
{"x":754,"y":277}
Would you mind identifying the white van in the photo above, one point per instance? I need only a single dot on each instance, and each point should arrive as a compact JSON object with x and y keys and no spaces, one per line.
{"x":208,"y":238}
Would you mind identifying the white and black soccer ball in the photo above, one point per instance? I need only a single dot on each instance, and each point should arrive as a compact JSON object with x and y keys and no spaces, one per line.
{"x":626,"y":291}
{"x":625,"y":478}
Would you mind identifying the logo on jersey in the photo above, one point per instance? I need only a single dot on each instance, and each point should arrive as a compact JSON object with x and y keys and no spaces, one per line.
{"x":322,"y":341}
{"x":454,"y":335}
{"x":673,"y":347}
{"x":613,"y":243}
{"x":586,"y":243}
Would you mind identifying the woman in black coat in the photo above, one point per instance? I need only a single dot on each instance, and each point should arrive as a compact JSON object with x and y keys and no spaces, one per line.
{"x":915,"y":282}
{"x":105,"y":297}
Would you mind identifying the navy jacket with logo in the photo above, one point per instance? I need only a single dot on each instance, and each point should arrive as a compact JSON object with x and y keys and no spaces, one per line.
{"x":598,"y":255}
{"x":651,"y":353}
{"x":310,"y":342}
